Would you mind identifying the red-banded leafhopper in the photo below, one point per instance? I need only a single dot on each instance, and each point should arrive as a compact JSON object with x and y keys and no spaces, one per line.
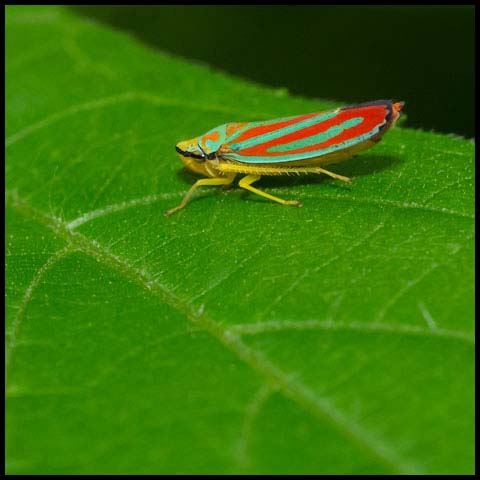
{"x":293,"y":145}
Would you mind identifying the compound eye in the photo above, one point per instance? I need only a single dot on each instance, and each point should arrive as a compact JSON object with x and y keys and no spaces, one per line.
{"x":207,"y":156}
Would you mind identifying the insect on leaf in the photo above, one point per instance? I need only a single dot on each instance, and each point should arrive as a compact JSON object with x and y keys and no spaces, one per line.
{"x":239,"y":336}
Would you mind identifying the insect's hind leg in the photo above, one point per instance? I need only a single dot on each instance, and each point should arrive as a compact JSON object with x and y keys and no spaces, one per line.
{"x":299,"y":170}
{"x":336,"y":176}
{"x":246,"y":183}
{"x":227,"y":180}
{"x":280,"y":170}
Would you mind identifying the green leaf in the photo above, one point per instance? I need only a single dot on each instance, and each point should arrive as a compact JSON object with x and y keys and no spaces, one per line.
{"x":238,"y":335}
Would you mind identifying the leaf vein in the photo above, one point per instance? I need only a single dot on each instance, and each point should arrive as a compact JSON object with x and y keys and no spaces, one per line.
{"x":103,"y":102}
{"x":363,"y":327}
{"x":27,"y":296}
{"x":320,"y":408}
{"x":252,"y":411}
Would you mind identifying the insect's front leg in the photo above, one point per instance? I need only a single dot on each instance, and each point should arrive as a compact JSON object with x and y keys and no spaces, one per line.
{"x":227,"y":180}
{"x":246,"y":182}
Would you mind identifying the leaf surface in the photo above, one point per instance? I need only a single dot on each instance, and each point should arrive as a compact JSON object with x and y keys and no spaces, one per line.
{"x":237,"y":335}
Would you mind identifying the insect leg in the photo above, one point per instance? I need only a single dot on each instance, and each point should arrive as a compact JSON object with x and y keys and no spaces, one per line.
{"x":227,"y":180}
{"x":289,"y":170}
{"x":330,"y":174}
{"x":246,"y":182}
{"x":279,"y":170}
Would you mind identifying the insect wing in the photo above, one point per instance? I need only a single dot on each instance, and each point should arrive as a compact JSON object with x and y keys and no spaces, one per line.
{"x":307,"y":136}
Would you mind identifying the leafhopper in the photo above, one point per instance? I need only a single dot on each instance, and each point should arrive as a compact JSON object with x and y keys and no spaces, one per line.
{"x":293,"y":145}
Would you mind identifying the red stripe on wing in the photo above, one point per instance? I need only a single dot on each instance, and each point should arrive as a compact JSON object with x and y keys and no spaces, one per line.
{"x":373,"y":116}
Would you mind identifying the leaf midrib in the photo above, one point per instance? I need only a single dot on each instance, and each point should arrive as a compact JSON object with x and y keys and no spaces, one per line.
{"x":272,"y":375}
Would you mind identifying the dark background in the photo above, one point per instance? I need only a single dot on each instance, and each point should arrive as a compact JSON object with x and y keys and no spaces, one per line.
{"x":421,"y":54}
